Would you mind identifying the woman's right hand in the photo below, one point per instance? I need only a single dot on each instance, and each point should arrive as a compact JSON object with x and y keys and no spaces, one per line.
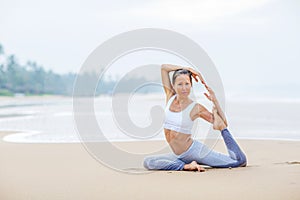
{"x":196,"y":75}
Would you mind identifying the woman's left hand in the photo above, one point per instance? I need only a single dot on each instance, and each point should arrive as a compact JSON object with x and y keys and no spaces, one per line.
{"x":211,"y":94}
{"x":212,"y":97}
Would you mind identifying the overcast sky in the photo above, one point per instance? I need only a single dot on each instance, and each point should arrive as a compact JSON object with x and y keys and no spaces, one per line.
{"x":254,"y":43}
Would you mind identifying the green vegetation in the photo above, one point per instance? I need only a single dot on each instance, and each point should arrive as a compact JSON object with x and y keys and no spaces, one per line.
{"x":33,"y":79}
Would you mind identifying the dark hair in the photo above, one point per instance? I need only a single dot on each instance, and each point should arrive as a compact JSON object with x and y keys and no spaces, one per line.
{"x":179,"y":72}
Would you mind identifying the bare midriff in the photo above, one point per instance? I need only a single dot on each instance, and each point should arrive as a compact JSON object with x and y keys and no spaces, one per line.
{"x":179,"y":142}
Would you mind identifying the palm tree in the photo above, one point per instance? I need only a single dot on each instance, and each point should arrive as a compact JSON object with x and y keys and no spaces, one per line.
{"x":1,"y":50}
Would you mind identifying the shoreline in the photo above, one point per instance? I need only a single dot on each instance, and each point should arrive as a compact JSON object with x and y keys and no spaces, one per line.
{"x":36,"y":141}
{"x":68,"y":171}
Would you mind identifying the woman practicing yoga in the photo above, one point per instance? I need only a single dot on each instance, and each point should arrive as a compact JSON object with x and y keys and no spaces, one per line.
{"x":181,"y":111}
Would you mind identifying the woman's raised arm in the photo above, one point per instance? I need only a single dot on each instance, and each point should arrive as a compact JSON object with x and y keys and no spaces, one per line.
{"x":165,"y":70}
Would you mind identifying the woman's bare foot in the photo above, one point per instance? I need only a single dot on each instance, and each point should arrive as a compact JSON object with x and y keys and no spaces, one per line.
{"x":193,"y":166}
{"x":218,"y":122}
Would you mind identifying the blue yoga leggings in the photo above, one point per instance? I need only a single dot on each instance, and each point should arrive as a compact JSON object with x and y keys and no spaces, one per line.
{"x":201,"y":154}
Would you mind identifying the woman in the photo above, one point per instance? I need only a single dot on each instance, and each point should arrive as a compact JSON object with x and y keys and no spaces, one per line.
{"x":181,"y":112}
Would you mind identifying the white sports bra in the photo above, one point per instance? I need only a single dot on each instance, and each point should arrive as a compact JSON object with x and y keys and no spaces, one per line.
{"x":179,"y":121}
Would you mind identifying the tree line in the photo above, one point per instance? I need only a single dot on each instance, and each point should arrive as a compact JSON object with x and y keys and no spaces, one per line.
{"x":32,"y":79}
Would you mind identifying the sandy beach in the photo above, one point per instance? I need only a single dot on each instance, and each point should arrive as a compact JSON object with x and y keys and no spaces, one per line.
{"x":68,"y":171}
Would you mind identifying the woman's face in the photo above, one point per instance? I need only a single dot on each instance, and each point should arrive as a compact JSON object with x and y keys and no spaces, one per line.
{"x":182,"y":85}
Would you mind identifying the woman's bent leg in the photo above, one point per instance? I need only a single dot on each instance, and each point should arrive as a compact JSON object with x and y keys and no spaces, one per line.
{"x":236,"y":157}
{"x":204,"y":155}
{"x":235,"y":153}
{"x":233,"y":148}
{"x":163,"y":162}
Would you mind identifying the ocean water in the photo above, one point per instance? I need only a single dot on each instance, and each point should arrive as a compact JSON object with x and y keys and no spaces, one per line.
{"x":51,"y":119}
